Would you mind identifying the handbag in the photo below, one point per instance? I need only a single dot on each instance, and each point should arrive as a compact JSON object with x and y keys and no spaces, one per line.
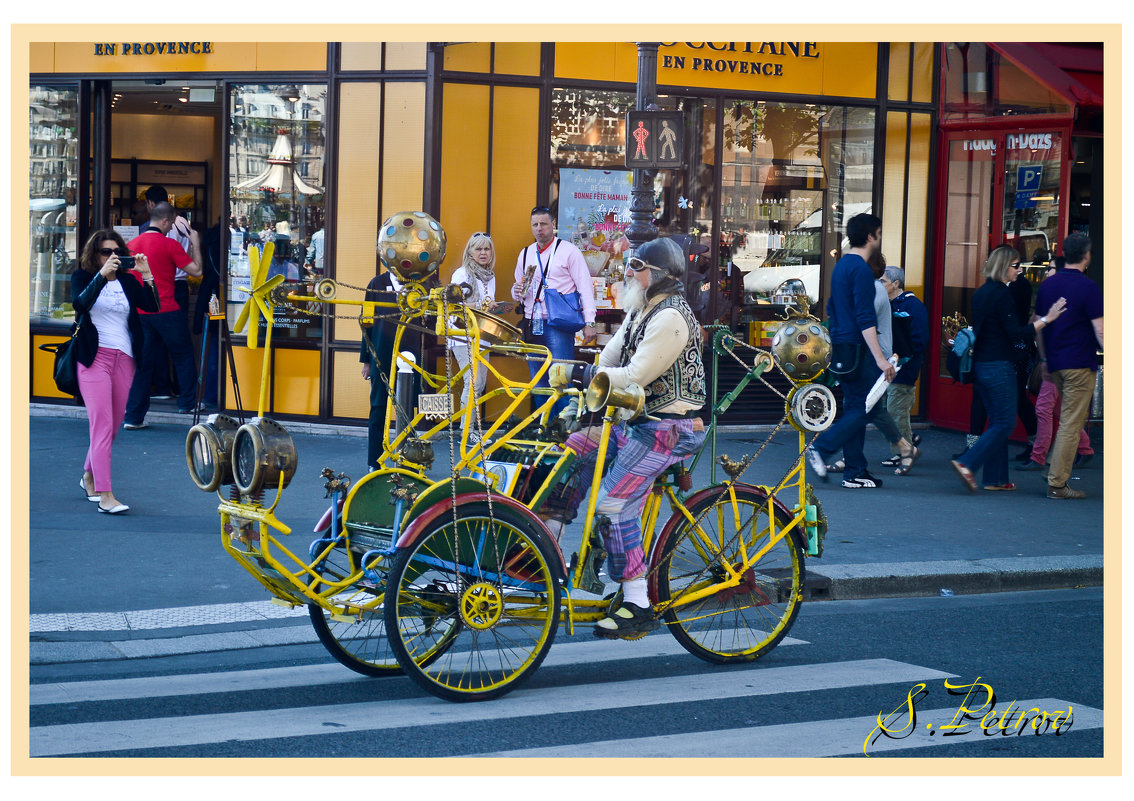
{"x":845,"y":360}
{"x":564,"y":310}
{"x":66,"y":368}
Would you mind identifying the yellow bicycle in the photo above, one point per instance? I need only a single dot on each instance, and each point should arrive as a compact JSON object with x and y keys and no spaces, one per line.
{"x":458,"y":581}
{"x":478,"y":588}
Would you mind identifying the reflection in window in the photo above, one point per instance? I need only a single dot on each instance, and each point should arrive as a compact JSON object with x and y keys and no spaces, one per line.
{"x":277,"y":158}
{"x":52,"y":205}
{"x":973,"y":70}
{"x":784,"y":167}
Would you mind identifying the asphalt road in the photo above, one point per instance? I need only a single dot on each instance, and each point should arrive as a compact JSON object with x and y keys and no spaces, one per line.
{"x":817,"y":694}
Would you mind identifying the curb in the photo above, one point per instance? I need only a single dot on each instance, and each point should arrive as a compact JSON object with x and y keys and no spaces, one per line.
{"x":962,"y":577}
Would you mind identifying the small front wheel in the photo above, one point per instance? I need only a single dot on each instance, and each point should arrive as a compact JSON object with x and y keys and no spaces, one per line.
{"x":356,"y":634}
{"x":759,"y":594}
{"x":484,"y":583}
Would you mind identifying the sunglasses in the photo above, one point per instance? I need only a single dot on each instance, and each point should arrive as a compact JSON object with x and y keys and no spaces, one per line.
{"x":541,"y":210}
{"x":636,"y":264}
{"x":111,"y":251}
{"x":482,"y":233}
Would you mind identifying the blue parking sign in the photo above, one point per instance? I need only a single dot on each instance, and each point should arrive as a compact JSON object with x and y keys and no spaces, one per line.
{"x":1028,"y":179}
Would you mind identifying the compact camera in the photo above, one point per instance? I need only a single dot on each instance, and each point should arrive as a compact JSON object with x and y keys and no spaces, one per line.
{"x":126,"y":262}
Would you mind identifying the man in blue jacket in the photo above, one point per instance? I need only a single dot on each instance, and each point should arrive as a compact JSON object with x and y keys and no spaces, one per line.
{"x":854,"y":340}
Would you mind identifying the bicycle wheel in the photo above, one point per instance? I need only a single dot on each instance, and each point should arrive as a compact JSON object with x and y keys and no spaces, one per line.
{"x":487,"y":583}
{"x":356,"y":634}
{"x":361,"y":642}
{"x":736,"y":623}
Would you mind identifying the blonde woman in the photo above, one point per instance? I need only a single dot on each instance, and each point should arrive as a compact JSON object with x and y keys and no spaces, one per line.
{"x":477,"y":276}
{"x":997,"y":330}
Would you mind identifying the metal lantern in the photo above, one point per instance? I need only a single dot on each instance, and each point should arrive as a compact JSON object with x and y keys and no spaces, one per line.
{"x":412,"y":245}
{"x":802,"y":348}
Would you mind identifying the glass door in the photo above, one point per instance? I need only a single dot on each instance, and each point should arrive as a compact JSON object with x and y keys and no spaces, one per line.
{"x":999,"y":188}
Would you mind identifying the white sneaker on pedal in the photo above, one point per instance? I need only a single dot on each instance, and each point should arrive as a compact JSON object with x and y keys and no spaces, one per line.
{"x":817,"y":463}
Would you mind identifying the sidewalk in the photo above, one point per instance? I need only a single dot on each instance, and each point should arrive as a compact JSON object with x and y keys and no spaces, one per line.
{"x":158,"y":581}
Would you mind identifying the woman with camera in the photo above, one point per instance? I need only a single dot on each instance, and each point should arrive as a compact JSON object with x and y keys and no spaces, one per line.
{"x":106,"y":296}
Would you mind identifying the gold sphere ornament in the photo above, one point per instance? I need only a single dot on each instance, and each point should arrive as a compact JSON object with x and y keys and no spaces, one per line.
{"x":412,"y":245}
{"x":802,"y":348}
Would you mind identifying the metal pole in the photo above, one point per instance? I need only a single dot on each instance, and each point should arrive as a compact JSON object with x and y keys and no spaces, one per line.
{"x":641,"y":229}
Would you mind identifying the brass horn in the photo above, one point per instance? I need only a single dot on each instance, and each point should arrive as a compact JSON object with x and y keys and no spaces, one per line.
{"x":600,"y":394}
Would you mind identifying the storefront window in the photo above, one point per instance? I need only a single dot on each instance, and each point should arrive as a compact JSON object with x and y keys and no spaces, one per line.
{"x":52,"y":226}
{"x":785,"y":166}
{"x":277,"y":158}
{"x":980,"y":82}
{"x":1030,"y":220}
{"x":591,"y":184}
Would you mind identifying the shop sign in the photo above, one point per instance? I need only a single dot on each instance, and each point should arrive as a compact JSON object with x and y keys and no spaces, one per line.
{"x":1026,"y":141}
{"x":152,"y":48}
{"x":817,"y":68}
{"x":979,"y":144}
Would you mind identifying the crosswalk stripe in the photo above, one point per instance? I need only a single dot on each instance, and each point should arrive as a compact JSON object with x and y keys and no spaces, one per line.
{"x":168,"y":618}
{"x":822,"y":738}
{"x":561,"y":654}
{"x":100,"y":737}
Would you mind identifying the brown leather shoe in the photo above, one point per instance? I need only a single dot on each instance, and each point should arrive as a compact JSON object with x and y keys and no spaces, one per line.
{"x":1065,"y":493}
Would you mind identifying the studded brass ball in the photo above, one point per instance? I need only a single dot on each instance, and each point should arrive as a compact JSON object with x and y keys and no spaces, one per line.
{"x":802,"y":348}
{"x":412,"y":244}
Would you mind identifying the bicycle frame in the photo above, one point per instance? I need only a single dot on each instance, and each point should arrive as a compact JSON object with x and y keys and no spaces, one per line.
{"x":251,"y":533}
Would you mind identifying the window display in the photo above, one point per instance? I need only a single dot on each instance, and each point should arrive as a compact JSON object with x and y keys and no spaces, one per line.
{"x":277,"y":156}
{"x":52,"y":203}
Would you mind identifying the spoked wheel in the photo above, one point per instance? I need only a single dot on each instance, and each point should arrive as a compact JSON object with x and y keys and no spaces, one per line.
{"x":356,"y":635}
{"x":741,"y":622}
{"x":487,"y":584}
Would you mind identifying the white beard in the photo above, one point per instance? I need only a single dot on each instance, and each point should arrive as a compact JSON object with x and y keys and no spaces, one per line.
{"x":633,"y":295}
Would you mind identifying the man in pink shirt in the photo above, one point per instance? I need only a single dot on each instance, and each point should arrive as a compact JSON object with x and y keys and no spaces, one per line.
{"x":555,"y":263}
{"x":165,"y":257}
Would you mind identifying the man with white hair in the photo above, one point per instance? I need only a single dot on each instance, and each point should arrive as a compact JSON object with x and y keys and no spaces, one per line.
{"x":658,"y":348}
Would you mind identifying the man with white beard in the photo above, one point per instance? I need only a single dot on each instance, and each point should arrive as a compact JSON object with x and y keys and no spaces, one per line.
{"x":658,"y":348}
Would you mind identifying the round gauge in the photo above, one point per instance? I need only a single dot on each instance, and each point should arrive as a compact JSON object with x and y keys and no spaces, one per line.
{"x":498,"y":476}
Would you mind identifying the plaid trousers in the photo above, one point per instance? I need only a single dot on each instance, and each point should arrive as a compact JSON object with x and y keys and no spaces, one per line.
{"x":636,"y":455}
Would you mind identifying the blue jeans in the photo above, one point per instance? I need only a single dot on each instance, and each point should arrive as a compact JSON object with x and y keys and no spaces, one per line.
{"x":562,"y":346}
{"x":996,"y":384}
{"x":172,"y":330}
{"x":849,"y":431}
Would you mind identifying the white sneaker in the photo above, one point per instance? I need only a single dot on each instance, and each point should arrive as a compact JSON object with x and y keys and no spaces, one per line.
{"x":816,"y":462}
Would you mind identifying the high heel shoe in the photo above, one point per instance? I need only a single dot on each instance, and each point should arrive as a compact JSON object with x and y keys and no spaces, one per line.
{"x":114,"y":510}
{"x":92,"y":498}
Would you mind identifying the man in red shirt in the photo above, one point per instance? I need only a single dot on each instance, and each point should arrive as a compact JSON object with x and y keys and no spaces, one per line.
{"x":165,"y":257}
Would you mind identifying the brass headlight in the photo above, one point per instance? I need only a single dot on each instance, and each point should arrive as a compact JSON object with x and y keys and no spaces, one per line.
{"x":262,"y":453}
{"x":208,"y":452}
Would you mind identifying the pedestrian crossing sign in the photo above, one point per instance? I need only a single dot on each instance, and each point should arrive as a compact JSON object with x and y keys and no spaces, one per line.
{"x":655,"y":140}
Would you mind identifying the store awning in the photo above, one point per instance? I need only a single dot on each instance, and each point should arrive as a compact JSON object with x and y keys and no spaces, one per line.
{"x":1073,"y":72}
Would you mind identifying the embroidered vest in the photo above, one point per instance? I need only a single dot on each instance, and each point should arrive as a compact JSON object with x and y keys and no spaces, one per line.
{"x":685,"y":379}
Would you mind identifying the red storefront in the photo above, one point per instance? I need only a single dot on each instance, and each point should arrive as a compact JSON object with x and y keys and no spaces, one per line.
{"x":1020,"y":161}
